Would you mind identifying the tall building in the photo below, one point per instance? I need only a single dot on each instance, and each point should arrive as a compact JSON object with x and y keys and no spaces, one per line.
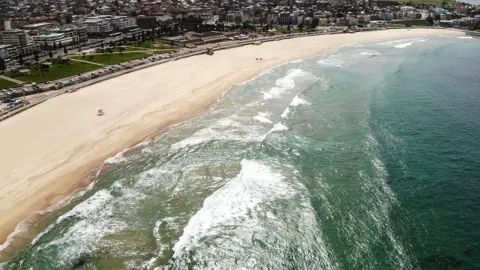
{"x":15,"y":37}
{"x":98,"y":26}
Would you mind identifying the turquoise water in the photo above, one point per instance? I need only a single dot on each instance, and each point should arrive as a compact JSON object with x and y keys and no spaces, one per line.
{"x":367,"y":158}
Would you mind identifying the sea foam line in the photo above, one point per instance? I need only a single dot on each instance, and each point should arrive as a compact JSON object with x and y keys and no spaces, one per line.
{"x":284,"y":84}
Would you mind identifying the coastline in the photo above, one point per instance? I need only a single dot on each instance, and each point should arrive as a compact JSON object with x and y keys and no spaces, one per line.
{"x":44,"y":161}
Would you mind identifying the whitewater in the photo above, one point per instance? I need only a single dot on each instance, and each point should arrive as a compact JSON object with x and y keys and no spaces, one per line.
{"x":303,"y":167}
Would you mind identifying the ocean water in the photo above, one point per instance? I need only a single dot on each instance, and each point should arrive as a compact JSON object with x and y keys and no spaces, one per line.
{"x":366,"y":158}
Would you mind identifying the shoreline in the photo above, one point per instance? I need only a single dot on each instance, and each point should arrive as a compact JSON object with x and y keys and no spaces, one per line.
{"x":82,"y":141}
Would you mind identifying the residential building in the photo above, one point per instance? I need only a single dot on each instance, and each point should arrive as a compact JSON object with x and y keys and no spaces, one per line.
{"x":37,"y":28}
{"x":98,"y":26}
{"x":15,"y":37}
{"x":78,"y":34}
{"x":53,"y":38}
{"x":7,"y":51}
{"x":28,"y":49}
{"x":123,"y":22}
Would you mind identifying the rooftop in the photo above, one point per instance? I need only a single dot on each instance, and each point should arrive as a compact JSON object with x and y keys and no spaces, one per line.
{"x":36,"y":25}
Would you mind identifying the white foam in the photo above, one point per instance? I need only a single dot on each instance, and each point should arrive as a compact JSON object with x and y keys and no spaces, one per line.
{"x":262,"y":119}
{"x":297,"y":61}
{"x":225,"y":129}
{"x":221,"y":232}
{"x":278,"y":127}
{"x":21,"y":228}
{"x":94,"y":222}
{"x":368,"y":53}
{"x":298,"y":101}
{"x":331,"y":61}
{"x":404,"y":40}
{"x":285,"y":113}
{"x":230,"y":205}
{"x":465,"y":37}
{"x":116,"y":159}
{"x":408,"y":44}
{"x":283,"y":84}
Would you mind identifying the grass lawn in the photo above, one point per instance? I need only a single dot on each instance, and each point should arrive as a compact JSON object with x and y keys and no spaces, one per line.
{"x":7,"y":84}
{"x":130,"y":49}
{"x":111,"y":59}
{"x":430,"y":2}
{"x":57,"y":72}
{"x":164,"y":51}
{"x":149,"y":45}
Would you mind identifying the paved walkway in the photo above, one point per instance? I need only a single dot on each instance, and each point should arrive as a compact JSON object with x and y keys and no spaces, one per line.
{"x":84,"y":61}
{"x":11,"y":79}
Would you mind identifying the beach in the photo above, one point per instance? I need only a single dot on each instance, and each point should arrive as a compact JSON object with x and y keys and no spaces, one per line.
{"x":54,"y":148}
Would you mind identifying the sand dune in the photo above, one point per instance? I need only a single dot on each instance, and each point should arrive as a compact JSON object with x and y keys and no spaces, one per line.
{"x":51,"y":149}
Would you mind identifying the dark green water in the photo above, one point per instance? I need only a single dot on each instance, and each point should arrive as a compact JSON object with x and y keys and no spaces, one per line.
{"x":368,"y":158}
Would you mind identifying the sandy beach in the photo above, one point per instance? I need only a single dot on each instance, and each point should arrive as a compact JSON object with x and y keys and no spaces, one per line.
{"x":51,"y":150}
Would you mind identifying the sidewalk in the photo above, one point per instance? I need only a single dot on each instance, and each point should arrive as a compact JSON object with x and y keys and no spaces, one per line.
{"x":11,"y":79}
{"x":88,"y":62}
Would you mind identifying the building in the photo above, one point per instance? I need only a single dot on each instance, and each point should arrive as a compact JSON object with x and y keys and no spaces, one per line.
{"x":53,"y":38}
{"x":28,"y":49}
{"x":8,"y":51}
{"x":15,"y":37}
{"x":98,"y":26}
{"x":37,"y":28}
{"x":123,"y":22}
{"x":78,"y":34}
{"x":285,"y":18}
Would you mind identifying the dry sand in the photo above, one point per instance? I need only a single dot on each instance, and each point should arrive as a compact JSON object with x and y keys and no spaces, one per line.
{"x":50,"y":150}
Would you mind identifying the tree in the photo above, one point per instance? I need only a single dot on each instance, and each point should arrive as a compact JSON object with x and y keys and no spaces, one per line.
{"x":2,"y":64}
{"x":50,"y":54}
{"x":54,"y":45}
{"x":134,"y":38}
{"x":59,"y":44}
{"x":46,"y":45}
{"x":65,"y":50}
{"x":121,"y":49}
{"x":430,"y":20}
{"x":102,"y":46}
{"x":143,"y":36}
{"x":35,"y":56}
{"x":20,"y":60}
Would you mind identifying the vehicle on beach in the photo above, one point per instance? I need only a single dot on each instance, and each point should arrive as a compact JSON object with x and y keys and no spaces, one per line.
{"x":100,"y":112}
{"x":209,"y":51}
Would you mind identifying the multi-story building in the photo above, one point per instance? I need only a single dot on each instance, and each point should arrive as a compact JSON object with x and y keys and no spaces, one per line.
{"x":104,"y":24}
{"x":78,"y":34}
{"x":53,"y":38}
{"x":28,"y":49}
{"x":122,"y":22}
{"x":37,"y":28}
{"x":8,"y":51}
{"x":285,"y":18}
{"x":98,"y":26}
{"x":15,"y":37}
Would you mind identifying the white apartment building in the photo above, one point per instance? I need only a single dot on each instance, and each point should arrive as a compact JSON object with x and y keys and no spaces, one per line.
{"x":7,"y":51}
{"x":104,"y":24}
{"x":123,"y":22}
{"x":15,"y":37}
{"x":98,"y":25}
{"x":53,"y":38}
